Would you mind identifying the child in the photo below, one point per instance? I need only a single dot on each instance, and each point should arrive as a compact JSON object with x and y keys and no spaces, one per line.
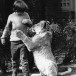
{"x":18,"y":20}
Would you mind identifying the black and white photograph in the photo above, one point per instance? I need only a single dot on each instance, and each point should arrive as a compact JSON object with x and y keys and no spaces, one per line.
{"x":37,"y":37}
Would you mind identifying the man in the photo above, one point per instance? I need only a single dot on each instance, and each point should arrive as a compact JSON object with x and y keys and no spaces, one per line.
{"x":18,"y":20}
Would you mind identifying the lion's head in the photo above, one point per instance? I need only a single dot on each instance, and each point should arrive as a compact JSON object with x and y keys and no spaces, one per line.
{"x":41,"y":27}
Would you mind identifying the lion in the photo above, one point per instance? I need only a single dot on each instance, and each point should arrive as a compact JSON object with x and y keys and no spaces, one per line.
{"x":40,"y":45}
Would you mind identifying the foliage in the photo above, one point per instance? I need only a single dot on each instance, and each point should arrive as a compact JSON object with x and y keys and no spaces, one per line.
{"x":58,"y":38}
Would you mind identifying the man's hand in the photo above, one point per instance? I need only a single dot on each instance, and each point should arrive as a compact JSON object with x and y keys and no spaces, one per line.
{"x":26,"y":21}
{"x":3,"y":41}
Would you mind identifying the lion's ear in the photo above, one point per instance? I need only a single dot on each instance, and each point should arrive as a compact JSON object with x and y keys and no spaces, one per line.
{"x":45,"y":25}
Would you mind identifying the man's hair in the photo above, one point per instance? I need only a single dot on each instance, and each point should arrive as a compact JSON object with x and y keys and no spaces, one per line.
{"x":19,"y":6}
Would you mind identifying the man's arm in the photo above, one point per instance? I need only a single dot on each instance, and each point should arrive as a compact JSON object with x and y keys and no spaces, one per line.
{"x":7,"y":28}
{"x":27,"y":21}
{"x":6,"y":31}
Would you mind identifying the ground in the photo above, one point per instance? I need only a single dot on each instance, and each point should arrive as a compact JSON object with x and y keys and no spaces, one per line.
{"x":72,"y":72}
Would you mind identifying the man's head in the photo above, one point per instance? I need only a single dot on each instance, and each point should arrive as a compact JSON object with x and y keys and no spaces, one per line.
{"x":19,"y":6}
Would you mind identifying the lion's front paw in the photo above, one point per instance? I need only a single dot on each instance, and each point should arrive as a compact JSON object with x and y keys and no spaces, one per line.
{"x":20,"y":34}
